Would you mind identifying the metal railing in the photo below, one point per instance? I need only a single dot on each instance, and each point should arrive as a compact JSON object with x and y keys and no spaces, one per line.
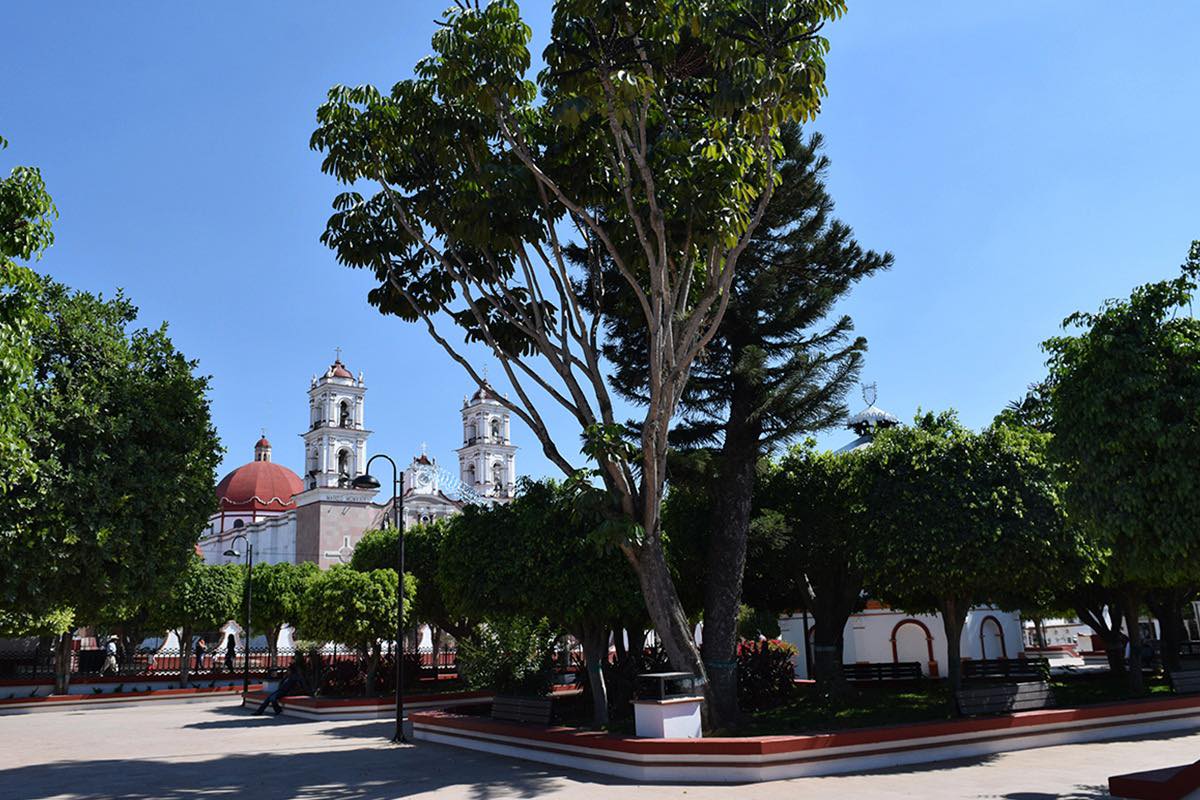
{"x":39,"y":664}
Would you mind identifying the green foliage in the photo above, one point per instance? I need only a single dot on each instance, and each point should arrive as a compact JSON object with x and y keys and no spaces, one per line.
{"x":1125,"y":397}
{"x":765,"y":672}
{"x":535,"y":557}
{"x":125,"y":454}
{"x":972,"y":517}
{"x":16,"y":623}
{"x":775,"y":369}
{"x":26,"y":213}
{"x":511,"y":655}
{"x":204,"y":597}
{"x":353,"y":608}
{"x":278,"y":591}
{"x":422,"y":553}
{"x":821,"y":550}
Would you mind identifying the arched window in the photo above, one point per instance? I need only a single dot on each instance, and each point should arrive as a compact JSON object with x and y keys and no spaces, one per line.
{"x":470,"y":474}
{"x":470,"y":432}
{"x":496,"y":429}
{"x":344,"y":419}
{"x":344,"y":463}
{"x":237,"y":523}
{"x":498,"y":475}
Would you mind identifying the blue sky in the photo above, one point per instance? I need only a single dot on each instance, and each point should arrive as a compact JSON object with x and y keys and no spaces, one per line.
{"x":1021,"y":160}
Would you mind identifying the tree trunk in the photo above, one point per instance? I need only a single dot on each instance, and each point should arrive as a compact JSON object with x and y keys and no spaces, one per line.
{"x":1040,"y":632}
{"x":619,"y":644}
{"x":833,"y":599}
{"x":725,"y":562}
{"x":62,"y":663}
{"x":1131,"y":604}
{"x":671,"y":625}
{"x":954,"y":617}
{"x":594,"y":639}
{"x":185,"y":655}
{"x":272,"y":647}
{"x":1092,"y":615}
{"x":1166,"y":605}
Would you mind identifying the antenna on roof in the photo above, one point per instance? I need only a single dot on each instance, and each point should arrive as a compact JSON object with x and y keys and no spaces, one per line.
{"x":869,"y":393}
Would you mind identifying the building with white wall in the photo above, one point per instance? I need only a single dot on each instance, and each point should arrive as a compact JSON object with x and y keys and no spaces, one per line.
{"x":321,"y":517}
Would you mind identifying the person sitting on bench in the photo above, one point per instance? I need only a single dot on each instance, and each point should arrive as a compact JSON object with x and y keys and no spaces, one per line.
{"x":293,"y":680}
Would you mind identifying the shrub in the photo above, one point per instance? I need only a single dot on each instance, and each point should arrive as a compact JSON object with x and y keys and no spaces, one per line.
{"x":765,"y":673}
{"x":513,"y":656}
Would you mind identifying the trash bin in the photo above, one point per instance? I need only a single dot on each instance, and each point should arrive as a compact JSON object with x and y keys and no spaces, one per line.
{"x":668,"y":705}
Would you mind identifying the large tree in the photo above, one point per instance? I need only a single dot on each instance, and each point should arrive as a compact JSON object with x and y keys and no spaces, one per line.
{"x":276,"y":592}
{"x":651,"y":137}
{"x":1124,"y":392}
{"x":120,"y":435}
{"x":535,"y":558}
{"x":203,"y":598}
{"x":357,"y":609}
{"x":823,"y":559}
{"x":958,"y":518}
{"x":777,"y":368}
{"x":422,"y":554}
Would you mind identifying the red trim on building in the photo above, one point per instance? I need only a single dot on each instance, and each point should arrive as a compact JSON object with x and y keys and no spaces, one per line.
{"x":933,"y":665}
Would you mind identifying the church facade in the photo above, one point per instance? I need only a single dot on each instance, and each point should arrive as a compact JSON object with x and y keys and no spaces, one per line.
{"x":321,"y":516}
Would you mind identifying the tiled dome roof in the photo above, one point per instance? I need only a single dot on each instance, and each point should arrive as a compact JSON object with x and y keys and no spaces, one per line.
{"x":259,"y":486}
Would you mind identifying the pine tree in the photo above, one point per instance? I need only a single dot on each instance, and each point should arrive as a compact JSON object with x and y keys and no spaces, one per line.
{"x":776,"y":369}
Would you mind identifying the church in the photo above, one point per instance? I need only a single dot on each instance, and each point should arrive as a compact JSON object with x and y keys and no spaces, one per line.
{"x":321,"y":516}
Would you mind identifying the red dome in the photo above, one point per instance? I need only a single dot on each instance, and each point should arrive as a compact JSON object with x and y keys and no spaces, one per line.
{"x":338,"y":370}
{"x":259,"y":486}
{"x":262,"y":442}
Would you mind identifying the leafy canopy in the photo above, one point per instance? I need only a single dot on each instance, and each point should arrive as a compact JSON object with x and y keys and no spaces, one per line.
{"x":125,"y":454}
{"x":26,"y":215}
{"x":1124,"y":392}
{"x":353,"y":608}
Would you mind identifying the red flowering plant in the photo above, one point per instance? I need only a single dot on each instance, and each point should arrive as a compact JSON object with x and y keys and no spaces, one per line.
{"x":765,"y":672}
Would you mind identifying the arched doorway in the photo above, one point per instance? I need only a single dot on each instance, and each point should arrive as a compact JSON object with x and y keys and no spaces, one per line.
{"x":991,"y":639}
{"x":912,"y":641}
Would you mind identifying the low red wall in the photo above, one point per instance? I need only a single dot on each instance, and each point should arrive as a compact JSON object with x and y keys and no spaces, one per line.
{"x":773,"y":745}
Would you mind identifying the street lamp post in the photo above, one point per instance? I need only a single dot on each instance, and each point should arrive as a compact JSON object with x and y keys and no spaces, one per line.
{"x":367,"y":481}
{"x":249,"y":597}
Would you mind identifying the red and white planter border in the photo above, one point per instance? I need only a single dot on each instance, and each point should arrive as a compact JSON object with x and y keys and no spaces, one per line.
{"x":745,"y":760}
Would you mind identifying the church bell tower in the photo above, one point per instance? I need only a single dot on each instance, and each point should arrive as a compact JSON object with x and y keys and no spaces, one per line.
{"x":487,"y":459}
{"x":335,"y":444}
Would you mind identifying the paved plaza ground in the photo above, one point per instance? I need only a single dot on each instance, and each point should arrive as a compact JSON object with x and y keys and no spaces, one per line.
{"x":215,"y":749}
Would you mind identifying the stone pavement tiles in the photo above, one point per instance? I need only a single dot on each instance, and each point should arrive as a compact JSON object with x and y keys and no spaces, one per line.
{"x":218,"y":750}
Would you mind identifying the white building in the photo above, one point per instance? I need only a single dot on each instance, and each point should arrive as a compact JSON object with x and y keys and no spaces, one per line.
{"x":321,"y":517}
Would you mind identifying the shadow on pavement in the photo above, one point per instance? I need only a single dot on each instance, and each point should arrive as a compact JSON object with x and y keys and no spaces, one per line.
{"x":1080,"y":793}
{"x":373,"y":773}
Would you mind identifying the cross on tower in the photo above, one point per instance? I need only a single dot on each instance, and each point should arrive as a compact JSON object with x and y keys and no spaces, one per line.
{"x":337,"y":354}
{"x":424,"y":448}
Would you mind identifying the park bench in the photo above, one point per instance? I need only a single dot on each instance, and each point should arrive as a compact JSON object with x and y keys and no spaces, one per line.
{"x":1007,"y":669}
{"x":1185,"y":681}
{"x":879,"y":673}
{"x":1002,"y":698}
{"x":537,"y":710}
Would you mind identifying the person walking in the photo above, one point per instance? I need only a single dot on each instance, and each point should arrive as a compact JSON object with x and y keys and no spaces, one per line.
{"x":230,"y":653}
{"x":292,"y":681}
{"x":110,"y":656}
{"x":201,"y":649}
